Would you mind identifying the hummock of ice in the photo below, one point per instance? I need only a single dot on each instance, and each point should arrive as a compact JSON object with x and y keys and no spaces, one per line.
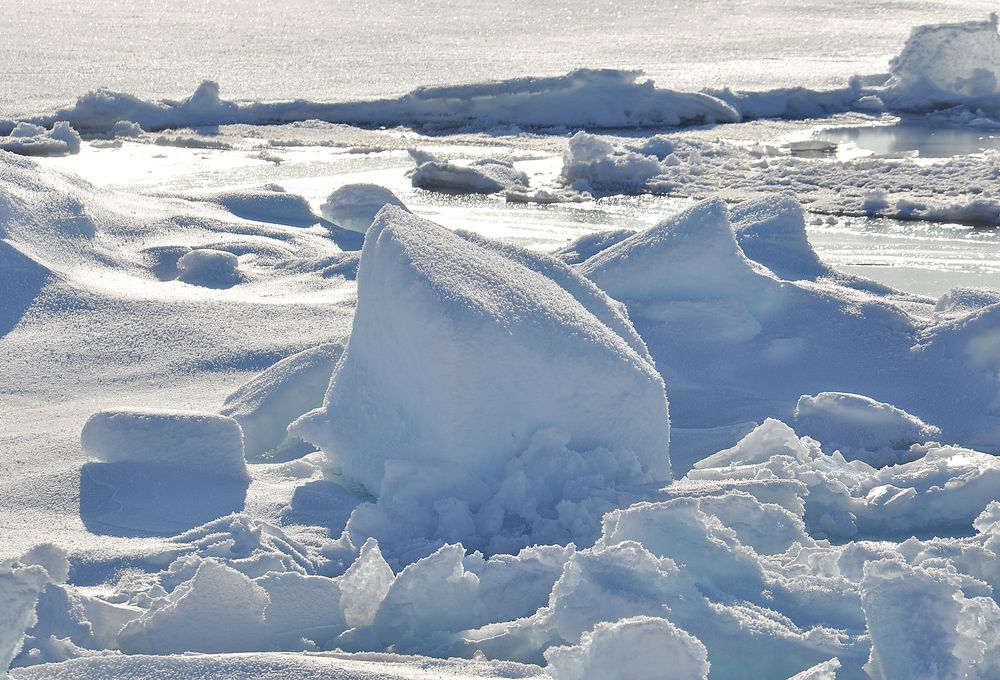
{"x":438,"y":314}
{"x":852,"y":422}
{"x":693,"y":255}
{"x":484,"y":176}
{"x":354,"y":206}
{"x":759,"y":335}
{"x":191,"y":441}
{"x":947,"y":63}
{"x":585,"y":98}
{"x":640,"y":647}
{"x":772,"y":231}
{"x":28,"y":139}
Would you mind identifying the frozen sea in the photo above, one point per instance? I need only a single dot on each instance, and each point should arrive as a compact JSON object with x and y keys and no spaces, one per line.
{"x":334,"y":50}
{"x":803,"y":310}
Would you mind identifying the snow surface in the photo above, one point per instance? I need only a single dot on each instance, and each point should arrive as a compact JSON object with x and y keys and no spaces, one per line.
{"x":832,"y":509}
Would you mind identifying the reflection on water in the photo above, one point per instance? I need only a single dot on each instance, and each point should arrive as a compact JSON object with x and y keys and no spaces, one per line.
{"x":907,"y":136}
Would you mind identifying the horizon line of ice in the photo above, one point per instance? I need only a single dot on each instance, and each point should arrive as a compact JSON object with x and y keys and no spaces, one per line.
{"x":940,"y":66}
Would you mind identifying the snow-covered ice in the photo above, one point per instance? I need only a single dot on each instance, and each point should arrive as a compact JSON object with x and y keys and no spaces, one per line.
{"x":588,"y":393}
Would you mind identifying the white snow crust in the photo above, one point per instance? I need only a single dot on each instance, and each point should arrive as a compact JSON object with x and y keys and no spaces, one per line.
{"x":462,"y":462}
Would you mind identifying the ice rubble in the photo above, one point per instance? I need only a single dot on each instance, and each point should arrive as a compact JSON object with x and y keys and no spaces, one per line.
{"x":957,"y":190}
{"x":28,"y":139}
{"x":428,"y":301}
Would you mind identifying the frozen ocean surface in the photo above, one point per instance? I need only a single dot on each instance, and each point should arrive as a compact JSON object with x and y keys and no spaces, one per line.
{"x":486,"y":360}
{"x":343,"y":50}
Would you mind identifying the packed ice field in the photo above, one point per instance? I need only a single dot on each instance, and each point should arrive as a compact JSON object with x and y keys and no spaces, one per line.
{"x":575,"y":377}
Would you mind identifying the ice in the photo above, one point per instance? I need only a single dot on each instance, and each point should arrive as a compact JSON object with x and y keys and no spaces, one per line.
{"x":354,"y":206}
{"x":20,"y":585}
{"x":281,"y":666}
{"x":639,"y":647}
{"x":208,"y":267}
{"x":194,"y":442}
{"x":960,"y":301}
{"x":770,"y":438}
{"x":126,"y":129}
{"x":485,"y":176}
{"x":364,"y":585}
{"x":491,"y":397}
{"x":429,"y":303}
{"x":772,"y":231}
{"x":821,"y":671}
{"x":265,"y":406}
{"x":28,"y":139}
{"x":941,"y":489}
{"x":583,"y":98}
{"x":956,"y":190}
{"x":915,"y":618}
{"x":852,"y":422}
{"x":691,"y":255}
{"x":947,"y":63}
{"x":218,"y":610}
{"x":589,"y":245}
{"x":160,"y":471}
{"x":593,"y":164}
{"x":300,"y":608}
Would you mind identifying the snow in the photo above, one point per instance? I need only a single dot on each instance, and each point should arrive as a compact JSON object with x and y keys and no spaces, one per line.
{"x":772,"y":231}
{"x":485,"y":176}
{"x":592,"y":164}
{"x":952,"y":190}
{"x":642,"y":646}
{"x":269,"y":204}
{"x":208,"y":267}
{"x":266,"y":405}
{"x":190,"y":441}
{"x":497,"y":475}
{"x":852,"y":422}
{"x":218,"y":610}
{"x":354,"y":206}
{"x":943,"y":64}
{"x":28,"y":139}
{"x":20,"y":585}
{"x":425,"y":292}
{"x":597,"y":98}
